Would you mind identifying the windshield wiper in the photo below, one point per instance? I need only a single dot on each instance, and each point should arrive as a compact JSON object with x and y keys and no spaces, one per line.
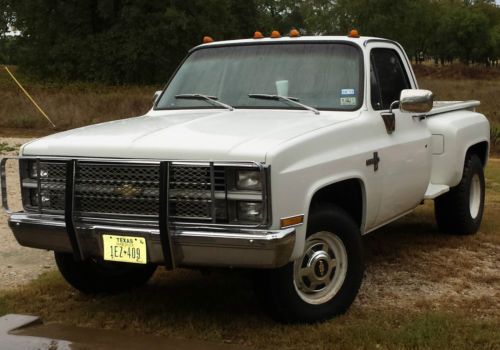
{"x":209,"y":99}
{"x":291,"y":100}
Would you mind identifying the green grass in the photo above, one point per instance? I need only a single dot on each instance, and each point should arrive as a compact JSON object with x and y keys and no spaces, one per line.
{"x":4,"y":148}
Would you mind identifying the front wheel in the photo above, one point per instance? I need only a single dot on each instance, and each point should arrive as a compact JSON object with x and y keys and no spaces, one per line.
{"x":325,"y":280}
{"x":461,"y":209}
{"x":95,"y":275}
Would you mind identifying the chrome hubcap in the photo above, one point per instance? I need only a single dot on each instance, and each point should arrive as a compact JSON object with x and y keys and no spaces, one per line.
{"x":321,"y":271}
{"x":475,"y":196}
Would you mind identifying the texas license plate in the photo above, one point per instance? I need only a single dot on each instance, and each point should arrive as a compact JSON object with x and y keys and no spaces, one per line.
{"x":125,"y":249}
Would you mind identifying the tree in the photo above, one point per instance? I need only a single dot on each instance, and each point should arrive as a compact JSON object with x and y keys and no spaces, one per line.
{"x":143,"y":41}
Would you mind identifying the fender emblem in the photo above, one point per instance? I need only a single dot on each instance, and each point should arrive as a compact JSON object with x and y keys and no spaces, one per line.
{"x":373,"y":161}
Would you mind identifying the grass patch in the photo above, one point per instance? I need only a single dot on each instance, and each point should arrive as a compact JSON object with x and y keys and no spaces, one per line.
{"x":68,"y":105}
{"x":5,"y":147}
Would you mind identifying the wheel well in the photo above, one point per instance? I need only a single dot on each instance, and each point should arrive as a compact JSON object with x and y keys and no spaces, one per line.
{"x":481,"y":150}
{"x":347,"y":194}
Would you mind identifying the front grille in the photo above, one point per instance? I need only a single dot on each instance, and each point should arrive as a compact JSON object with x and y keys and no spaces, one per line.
{"x":134,"y":190}
{"x":197,"y":192}
{"x":191,"y":191}
{"x":117,"y":189}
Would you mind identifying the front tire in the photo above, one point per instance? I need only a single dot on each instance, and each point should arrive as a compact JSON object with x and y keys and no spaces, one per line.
{"x":325,"y":280}
{"x":460,"y":211}
{"x":95,"y":275}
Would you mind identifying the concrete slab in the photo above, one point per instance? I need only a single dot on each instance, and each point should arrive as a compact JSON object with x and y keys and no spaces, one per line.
{"x":11,"y":323}
{"x":29,"y":333}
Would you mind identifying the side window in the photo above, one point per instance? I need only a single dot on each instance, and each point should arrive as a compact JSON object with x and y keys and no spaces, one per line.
{"x":387,"y":79}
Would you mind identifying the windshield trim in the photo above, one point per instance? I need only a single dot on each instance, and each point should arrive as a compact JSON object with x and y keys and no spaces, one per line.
{"x":215,"y":46}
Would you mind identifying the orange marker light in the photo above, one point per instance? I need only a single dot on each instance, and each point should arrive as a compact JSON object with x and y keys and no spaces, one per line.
{"x":207,"y":39}
{"x":292,"y":221}
{"x":294,"y":33}
{"x":353,"y":34}
{"x":258,"y":35}
{"x":275,"y":34}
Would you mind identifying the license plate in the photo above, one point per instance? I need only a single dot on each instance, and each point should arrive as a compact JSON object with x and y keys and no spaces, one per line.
{"x":125,"y":249}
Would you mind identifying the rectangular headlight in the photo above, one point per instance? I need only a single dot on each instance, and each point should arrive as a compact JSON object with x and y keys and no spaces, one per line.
{"x":248,"y":180}
{"x":249,"y":211}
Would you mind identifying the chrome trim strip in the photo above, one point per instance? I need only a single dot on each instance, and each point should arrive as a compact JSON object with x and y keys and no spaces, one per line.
{"x":212,"y":193}
{"x":3,"y":184}
{"x":128,"y":226}
{"x":138,"y":161}
{"x":256,"y":236}
{"x":400,"y":47}
{"x":39,"y":185}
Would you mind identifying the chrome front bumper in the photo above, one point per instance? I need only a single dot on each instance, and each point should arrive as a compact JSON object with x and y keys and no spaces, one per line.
{"x":191,"y":246}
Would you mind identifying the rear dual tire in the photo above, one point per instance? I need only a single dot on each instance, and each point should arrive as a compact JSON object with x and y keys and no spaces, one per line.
{"x":460,"y":211}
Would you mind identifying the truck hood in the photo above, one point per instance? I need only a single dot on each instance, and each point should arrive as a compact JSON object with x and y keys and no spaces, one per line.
{"x":244,"y":135}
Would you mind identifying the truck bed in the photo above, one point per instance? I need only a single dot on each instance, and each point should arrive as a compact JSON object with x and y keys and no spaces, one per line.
{"x":449,"y":106}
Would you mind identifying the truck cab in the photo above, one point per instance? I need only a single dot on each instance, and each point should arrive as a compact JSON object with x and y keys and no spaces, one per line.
{"x":276,"y":154}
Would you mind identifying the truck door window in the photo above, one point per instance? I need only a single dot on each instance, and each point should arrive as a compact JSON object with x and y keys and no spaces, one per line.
{"x":388,"y":78}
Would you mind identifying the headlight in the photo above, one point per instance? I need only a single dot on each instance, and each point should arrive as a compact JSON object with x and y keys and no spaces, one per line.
{"x":44,"y":192}
{"x":248,"y":180}
{"x":33,"y":170}
{"x":249,"y":211}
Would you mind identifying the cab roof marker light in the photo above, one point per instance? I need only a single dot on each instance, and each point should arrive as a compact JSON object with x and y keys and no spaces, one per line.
{"x":207,"y":39}
{"x":353,"y":33}
{"x":275,"y":34}
{"x":294,"y":33}
{"x":258,"y":35}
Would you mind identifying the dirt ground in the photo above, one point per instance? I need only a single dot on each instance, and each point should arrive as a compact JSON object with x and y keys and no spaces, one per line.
{"x":409,"y":264}
{"x":18,"y":265}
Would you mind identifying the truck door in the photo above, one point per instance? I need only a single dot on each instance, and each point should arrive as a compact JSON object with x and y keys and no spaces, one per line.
{"x":404,"y":156}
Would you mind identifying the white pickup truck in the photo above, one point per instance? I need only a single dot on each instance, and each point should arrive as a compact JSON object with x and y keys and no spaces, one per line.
{"x":273,"y":154}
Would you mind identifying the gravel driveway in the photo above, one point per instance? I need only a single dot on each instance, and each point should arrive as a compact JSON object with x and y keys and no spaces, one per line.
{"x":18,"y":265}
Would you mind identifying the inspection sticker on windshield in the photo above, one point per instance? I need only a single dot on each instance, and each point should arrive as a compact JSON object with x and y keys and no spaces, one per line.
{"x":348,"y":101}
{"x":347,"y":92}
{"x":347,"y":97}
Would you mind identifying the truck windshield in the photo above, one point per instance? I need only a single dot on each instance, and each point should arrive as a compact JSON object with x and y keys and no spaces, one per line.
{"x":325,"y":76}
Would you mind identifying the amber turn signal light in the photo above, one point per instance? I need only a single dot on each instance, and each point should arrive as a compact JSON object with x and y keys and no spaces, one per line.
{"x":353,"y":34}
{"x":292,"y":221}
{"x":207,"y":39}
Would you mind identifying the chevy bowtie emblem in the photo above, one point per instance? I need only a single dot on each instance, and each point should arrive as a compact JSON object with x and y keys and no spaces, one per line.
{"x":128,"y":191}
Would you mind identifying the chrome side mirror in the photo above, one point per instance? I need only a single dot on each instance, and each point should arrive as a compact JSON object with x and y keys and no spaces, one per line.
{"x":156,"y":96}
{"x":416,"y":101}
